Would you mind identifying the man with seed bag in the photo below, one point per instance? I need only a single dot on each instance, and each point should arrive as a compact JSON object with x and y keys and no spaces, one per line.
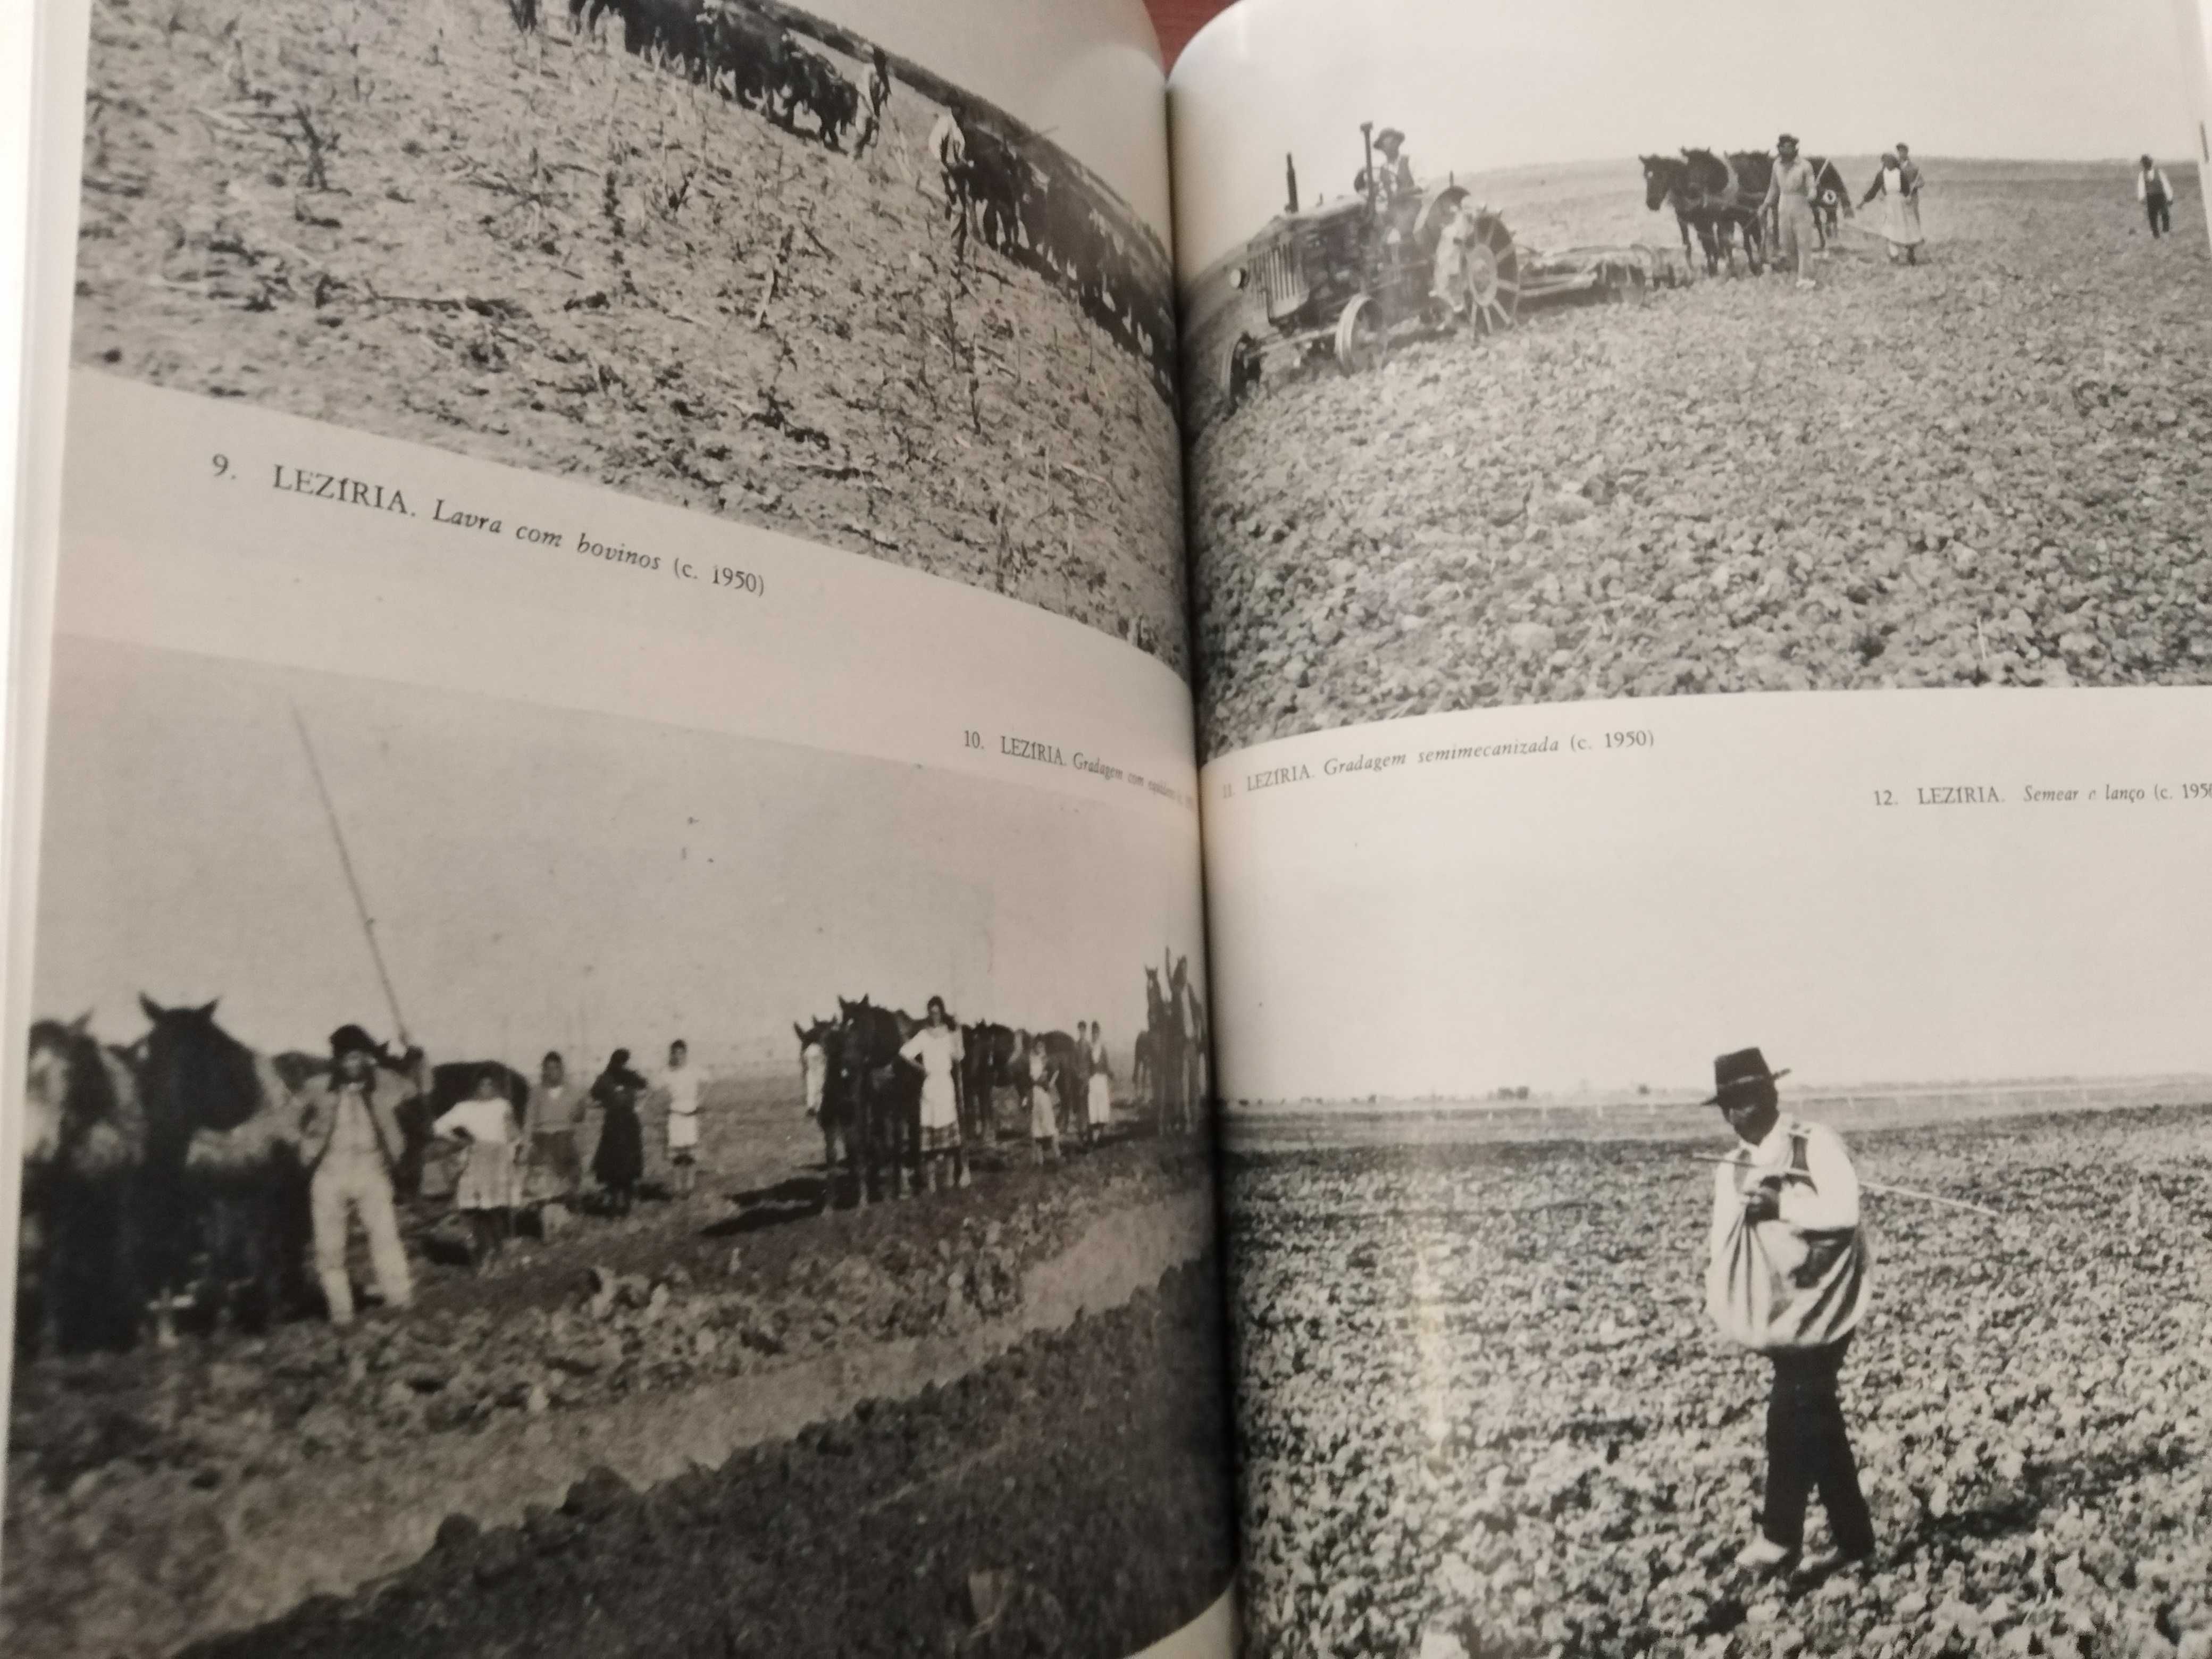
{"x":1786,"y":1277}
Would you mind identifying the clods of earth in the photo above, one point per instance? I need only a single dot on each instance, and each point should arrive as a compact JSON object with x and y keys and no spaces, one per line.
{"x":1482,"y":1413}
{"x":1995,"y":469}
{"x":405,"y":218}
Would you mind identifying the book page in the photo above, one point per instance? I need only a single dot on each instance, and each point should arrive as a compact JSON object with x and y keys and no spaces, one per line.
{"x":1704,"y":707}
{"x":608,"y":959}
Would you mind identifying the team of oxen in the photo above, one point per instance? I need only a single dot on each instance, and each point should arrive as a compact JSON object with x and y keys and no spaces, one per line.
{"x":870,"y":1099}
{"x":1015,"y":193}
{"x":1720,"y":197}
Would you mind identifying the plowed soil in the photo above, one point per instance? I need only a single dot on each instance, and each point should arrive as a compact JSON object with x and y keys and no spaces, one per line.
{"x":1484,"y":1415}
{"x":1994,"y":469}
{"x":154,"y":1498}
{"x":405,"y":216}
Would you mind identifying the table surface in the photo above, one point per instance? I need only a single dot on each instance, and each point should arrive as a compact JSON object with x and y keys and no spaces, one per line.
{"x":1178,"y":20}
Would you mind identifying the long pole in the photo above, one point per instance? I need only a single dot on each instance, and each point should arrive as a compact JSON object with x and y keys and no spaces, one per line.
{"x":1883,"y":1187}
{"x":353,"y":882}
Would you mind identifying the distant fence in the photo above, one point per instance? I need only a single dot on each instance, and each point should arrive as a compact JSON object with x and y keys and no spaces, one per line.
{"x":1256,"y":1126}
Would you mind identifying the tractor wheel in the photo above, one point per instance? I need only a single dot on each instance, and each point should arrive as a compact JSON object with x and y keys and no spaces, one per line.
{"x":1240,"y":371}
{"x":1493,"y":270}
{"x":1360,"y":342}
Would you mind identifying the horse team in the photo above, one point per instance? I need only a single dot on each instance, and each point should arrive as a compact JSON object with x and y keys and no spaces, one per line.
{"x":168,"y":1177}
{"x":1013,"y":192}
{"x":868,"y":1097}
{"x":1720,"y":197}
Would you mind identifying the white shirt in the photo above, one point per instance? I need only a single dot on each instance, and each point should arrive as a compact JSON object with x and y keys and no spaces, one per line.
{"x":1830,"y":1202}
{"x":682,"y":1082}
{"x":937,"y":1050}
{"x":947,"y":143}
{"x":491,"y":1122}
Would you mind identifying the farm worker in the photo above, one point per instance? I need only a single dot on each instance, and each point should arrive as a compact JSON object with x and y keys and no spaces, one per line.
{"x":1911,"y":170}
{"x":948,"y":142}
{"x":1394,"y":177}
{"x":814,"y":1083}
{"x":619,"y":1163}
{"x":1032,"y":1074}
{"x":876,"y":96}
{"x":2156,"y":195}
{"x":552,"y":1118}
{"x":1790,"y":196}
{"x":1455,"y":261}
{"x":1076,"y":1079}
{"x":485,"y":1120}
{"x":1786,"y":1277}
{"x":937,"y":1050}
{"x":1099,"y":1087}
{"x":351,"y":1142}
{"x":1900,"y":208}
{"x":680,"y":1082}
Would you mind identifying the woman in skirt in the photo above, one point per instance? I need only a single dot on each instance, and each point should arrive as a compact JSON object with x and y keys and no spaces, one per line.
{"x":1099,"y":1100}
{"x":619,"y":1164}
{"x":1033,"y":1076}
{"x":485,"y":1192}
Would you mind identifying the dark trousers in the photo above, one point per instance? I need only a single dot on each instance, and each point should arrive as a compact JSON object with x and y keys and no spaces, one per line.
{"x":2158,"y":209}
{"x":1806,"y":1447}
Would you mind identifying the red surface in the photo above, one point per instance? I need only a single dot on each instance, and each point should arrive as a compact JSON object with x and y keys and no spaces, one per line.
{"x":1178,"y":20}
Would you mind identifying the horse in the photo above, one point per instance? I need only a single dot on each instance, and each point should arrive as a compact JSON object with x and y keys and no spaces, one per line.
{"x":882,"y":1097}
{"x":1667,"y":182}
{"x":79,"y":1280}
{"x":987,"y":1059}
{"x":1734,"y":187}
{"x":222,"y":1174}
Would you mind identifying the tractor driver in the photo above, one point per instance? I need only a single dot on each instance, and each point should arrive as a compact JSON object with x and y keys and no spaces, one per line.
{"x":1394,"y":174}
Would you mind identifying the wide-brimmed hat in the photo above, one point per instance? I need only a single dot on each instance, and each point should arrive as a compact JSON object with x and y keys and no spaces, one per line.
{"x":1744,"y":1069}
{"x":1388,"y":135}
{"x":352,"y":1040}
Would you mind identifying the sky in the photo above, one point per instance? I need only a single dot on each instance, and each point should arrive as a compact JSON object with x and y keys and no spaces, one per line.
{"x":1478,"y":84}
{"x":1568,"y":922}
{"x":1086,"y":72}
{"x":543,"y":877}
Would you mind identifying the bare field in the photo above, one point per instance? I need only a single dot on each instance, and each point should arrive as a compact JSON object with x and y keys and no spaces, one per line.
{"x":1993,"y":468}
{"x":1483,"y":1413}
{"x":744,"y":1343}
{"x":405,"y":217}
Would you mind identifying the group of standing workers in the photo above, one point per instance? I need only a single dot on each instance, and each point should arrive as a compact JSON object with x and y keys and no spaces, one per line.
{"x":352,"y":1144}
{"x":1793,"y":192}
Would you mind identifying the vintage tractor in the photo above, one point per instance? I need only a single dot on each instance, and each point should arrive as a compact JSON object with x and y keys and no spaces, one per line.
{"x":1345,"y":277}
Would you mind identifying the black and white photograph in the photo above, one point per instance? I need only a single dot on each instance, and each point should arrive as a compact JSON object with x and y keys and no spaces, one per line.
{"x":1684,"y":1217}
{"x":886,"y":279}
{"x":1616,"y":353}
{"x":503,"y":1179}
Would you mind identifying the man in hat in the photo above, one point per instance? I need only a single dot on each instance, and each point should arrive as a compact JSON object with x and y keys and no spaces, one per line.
{"x":351,"y":1142}
{"x":1786,"y":1211}
{"x":1789,"y":194}
{"x":1394,"y":174}
{"x":2156,"y":194}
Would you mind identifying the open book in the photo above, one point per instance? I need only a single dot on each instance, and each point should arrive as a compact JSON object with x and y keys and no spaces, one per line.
{"x":832,"y":831}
